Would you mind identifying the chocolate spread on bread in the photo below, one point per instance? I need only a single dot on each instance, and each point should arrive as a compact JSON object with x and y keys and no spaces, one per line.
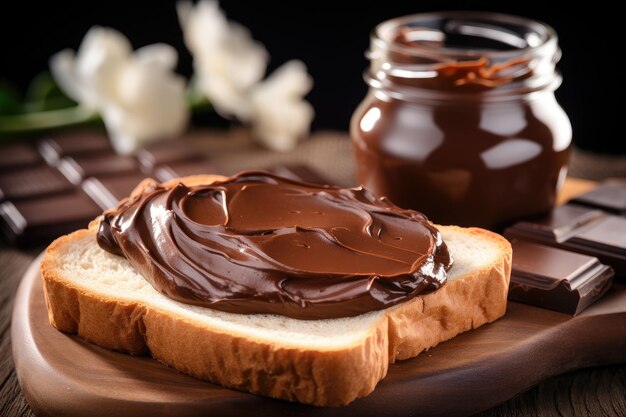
{"x":259,"y":243}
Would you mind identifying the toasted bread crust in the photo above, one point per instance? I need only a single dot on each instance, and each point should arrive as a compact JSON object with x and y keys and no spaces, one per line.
{"x":461,"y":305}
{"x":324,"y":377}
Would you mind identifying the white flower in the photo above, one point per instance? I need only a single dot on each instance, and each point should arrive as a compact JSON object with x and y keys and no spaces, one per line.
{"x":139,"y":96}
{"x":227,"y":61}
{"x":279,"y":115}
{"x":229,"y":66}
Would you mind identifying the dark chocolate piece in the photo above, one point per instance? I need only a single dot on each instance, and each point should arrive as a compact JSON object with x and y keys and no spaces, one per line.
{"x":556,"y":279}
{"x":75,"y":143}
{"x":182,"y":169}
{"x":609,"y":196}
{"x":78,"y":168}
{"x":299,"y":172}
{"x":17,"y":155}
{"x":580,"y":229}
{"x":165,"y":154}
{"x":560,"y":224}
{"x":108,"y":191}
{"x":40,"y":220}
{"x":32,"y":182}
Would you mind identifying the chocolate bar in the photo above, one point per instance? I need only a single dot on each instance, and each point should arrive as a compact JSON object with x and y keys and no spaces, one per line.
{"x":38,"y":220}
{"x":17,"y":155}
{"x":54,"y":148}
{"x":556,"y":279}
{"x":78,"y":168}
{"x":32,"y":182}
{"x":579,"y":229}
{"x":610,"y":196}
{"x":84,"y":177}
{"x":108,"y":191}
{"x":167,"y":153}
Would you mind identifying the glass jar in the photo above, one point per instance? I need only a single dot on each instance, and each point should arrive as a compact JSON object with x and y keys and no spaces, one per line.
{"x":460,"y":121}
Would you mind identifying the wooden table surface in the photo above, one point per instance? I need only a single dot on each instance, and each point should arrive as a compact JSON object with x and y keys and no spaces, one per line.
{"x":591,"y":392}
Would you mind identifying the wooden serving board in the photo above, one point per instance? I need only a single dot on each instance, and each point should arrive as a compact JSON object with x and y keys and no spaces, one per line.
{"x":62,"y":375}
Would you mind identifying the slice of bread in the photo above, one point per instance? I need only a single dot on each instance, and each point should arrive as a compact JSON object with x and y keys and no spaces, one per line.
{"x":331,"y":362}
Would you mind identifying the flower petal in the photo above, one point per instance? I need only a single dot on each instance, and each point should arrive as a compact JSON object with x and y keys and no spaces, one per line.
{"x":289,"y":80}
{"x":101,"y":53}
{"x":280,"y":116}
{"x":246,"y":58}
{"x":138,"y":95}
{"x":116,"y":121}
{"x":151,"y":106}
{"x":204,"y":25}
{"x":63,"y":70}
{"x":280,"y":125}
{"x":227,"y":100}
{"x":158,"y":54}
{"x":227,"y":60}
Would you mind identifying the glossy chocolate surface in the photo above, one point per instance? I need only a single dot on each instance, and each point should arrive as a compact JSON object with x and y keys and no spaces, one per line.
{"x":609,"y":196}
{"x":579,"y":229}
{"x":55,"y":147}
{"x":259,"y":243}
{"x":438,"y":158}
{"x":35,"y":221}
{"x":108,"y":191}
{"x":17,"y":155}
{"x":79,"y":168}
{"x":32,"y":182}
{"x":442,"y":144}
{"x":556,"y":279}
{"x":166,"y":153}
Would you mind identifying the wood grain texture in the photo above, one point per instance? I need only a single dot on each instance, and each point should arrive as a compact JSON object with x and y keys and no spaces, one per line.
{"x":473,"y":371}
{"x":13,"y":264}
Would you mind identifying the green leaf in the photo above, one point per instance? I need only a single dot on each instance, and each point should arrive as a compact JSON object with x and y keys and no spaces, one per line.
{"x":41,"y":87}
{"x":196,"y":100}
{"x":26,"y":123}
{"x":44,"y":94}
{"x":9,"y":98}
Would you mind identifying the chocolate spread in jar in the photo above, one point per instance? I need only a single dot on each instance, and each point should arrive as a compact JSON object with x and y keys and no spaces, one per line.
{"x":259,"y":243}
{"x":469,"y":134}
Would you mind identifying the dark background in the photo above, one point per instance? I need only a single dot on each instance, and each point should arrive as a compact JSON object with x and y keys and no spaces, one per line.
{"x":331,"y":37}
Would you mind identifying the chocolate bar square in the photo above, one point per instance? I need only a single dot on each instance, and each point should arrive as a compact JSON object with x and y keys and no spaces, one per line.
{"x":42,"y":219}
{"x":579,"y":229}
{"x":166,"y":153}
{"x":607,"y":234}
{"x":561,"y":223}
{"x":17,"y":155}
{"x":32,"y":182}
{"x":78,"y":168}
{"x":609,"y":196}
{"x":108,"y":191}
{"x":556,"y":279}
{"x":55,"y":147}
